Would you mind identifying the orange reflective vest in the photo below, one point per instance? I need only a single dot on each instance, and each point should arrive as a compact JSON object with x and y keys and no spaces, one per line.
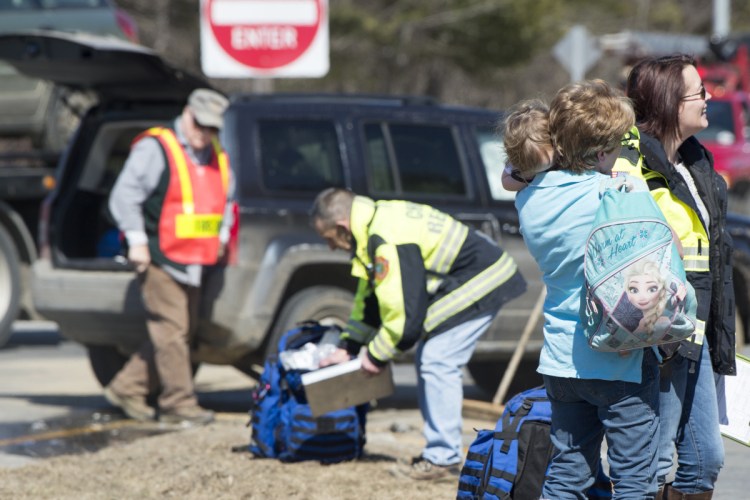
{"x":194,"y":202}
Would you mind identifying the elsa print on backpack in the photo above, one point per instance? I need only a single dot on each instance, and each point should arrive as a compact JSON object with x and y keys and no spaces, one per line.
{"x":637,"y":293}
{"x":651,"y":300}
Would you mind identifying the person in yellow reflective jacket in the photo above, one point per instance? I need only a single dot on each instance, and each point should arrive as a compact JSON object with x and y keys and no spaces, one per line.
{"x":425,"y":279}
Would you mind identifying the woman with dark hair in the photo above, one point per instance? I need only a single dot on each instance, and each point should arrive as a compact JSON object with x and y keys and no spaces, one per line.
{"x":670,"y":107}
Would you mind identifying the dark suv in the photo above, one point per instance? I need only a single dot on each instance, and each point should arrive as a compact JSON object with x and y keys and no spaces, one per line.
{"x":283,"y":149}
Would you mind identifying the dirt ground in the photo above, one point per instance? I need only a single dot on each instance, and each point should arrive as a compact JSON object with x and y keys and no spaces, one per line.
{"x":198,"y":463}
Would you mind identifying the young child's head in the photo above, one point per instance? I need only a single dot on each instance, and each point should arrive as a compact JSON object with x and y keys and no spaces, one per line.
{"x":587,"y":121}
{"x":646,"y":290}
{"x":526,"y":136}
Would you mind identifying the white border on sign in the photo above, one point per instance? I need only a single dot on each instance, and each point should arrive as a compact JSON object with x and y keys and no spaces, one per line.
{"x":314,"y":63}
{"x":298,"y":12}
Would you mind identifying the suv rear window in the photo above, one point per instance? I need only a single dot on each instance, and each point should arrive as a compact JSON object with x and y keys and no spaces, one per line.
{"x":299,"y":155}
{"x":413,"y":159}
{"x":492,"y":151}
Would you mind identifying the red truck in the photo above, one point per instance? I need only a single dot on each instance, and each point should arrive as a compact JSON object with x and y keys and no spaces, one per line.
{"x":728,"y":110}
{"x":728,"y":137}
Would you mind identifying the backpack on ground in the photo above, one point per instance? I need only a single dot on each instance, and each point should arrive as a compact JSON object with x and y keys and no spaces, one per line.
{"x":637,"y":294}
{"x":282,"y":424}
{"x":511,"y":461}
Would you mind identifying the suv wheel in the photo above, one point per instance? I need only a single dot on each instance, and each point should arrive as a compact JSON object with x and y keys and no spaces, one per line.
{"x":10,"y":285}
{"x":326,"y":304}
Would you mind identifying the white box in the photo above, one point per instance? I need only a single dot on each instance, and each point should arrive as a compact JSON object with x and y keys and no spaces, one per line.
{"x":346,"y":384}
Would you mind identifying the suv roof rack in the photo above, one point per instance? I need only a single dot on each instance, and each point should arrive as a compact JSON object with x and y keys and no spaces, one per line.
{"x":379,"y":99}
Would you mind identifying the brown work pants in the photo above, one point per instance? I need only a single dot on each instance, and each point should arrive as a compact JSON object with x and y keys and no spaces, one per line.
{"x":164,"y":359}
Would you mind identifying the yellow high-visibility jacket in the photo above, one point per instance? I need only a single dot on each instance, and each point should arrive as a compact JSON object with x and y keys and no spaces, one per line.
{"x":420,"y":272}
{"x":707,"y":245}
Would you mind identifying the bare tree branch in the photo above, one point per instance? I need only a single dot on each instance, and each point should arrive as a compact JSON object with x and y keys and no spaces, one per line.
{"x":457,"y":15}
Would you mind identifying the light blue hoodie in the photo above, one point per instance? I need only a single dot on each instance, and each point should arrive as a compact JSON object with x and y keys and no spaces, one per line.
{"x":556,"y":211}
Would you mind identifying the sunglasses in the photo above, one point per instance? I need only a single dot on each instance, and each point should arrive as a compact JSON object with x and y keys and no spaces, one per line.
{"x":701,"y":93}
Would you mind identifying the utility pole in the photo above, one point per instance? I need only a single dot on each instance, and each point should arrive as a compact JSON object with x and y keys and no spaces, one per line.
{"x":721,"y":19}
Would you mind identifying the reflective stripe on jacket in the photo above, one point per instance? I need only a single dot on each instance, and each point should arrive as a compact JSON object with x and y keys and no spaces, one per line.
{"x":421,"y":272}
{"x":192,"y":202}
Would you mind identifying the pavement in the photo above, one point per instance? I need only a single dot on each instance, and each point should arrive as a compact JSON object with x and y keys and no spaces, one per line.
{"x":44,"y":378}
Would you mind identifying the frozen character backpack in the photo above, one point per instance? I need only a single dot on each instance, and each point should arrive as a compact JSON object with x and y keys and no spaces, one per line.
{"x":637,"y":294}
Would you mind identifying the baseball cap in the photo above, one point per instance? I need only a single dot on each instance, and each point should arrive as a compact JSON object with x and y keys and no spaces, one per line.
{"x":208,"y":107}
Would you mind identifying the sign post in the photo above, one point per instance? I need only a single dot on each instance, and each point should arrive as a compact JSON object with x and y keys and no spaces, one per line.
{"x":577,"y":52}
{"x":264,"y":38}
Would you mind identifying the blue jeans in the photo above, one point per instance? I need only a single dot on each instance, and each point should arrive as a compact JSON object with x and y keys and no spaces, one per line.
{"x":690,"y":424}
{"x":439,"y":363}
{"x":586,"y":410}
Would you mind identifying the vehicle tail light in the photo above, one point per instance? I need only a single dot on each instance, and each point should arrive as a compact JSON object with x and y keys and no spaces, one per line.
{"x":127,"y":24}
{"x":234,"y":233}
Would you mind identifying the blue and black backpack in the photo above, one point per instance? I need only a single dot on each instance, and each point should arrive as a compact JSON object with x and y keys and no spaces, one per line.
{"x":511,"y":461}
{"x":283,"y":426}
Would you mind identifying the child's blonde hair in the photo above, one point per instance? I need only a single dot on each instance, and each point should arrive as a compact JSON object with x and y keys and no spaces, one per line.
{"x":528,"y":145}
{"x":587,"y":118}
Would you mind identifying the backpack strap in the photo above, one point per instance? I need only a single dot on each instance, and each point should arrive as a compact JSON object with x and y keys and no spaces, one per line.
{"x":502,"y":495}
{"x":325,"y":424}
{"x":470,"y":488}
{"x":475,"y":487}
{"x":508,"y":434}
{"x":476,"y":457}
{"x":510,"y":427}
{"x":512,"y":422}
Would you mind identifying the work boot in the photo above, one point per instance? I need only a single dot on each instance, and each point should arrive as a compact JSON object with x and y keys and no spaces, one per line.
{"x":673,"y":494}
{"x":421,"y":469}
{"x":193,"y":415}
{"x":133,"y":406}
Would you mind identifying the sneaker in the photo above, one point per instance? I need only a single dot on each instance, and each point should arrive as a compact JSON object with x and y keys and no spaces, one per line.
{"x":133,"y":406}
{"x":194,"y":415}
{"x":421,"y":469}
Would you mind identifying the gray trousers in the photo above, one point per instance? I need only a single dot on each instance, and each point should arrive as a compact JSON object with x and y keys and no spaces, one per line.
{"x":163,"y":361}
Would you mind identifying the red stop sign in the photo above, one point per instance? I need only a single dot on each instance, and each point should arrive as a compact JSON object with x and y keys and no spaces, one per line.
{"x":264,"y":34}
